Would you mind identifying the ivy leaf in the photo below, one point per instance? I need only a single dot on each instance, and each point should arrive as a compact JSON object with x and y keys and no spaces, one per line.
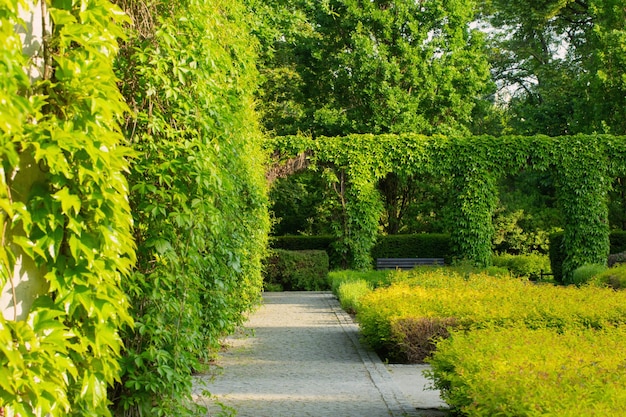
{"x":68,"y":201}
{"x":62,"y":17}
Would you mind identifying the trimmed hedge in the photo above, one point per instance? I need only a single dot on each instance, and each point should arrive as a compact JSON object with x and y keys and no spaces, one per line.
{"x":617,"y":240}
{"x":476,"y":301}
{"x":295,"y":243}
{"x":413,"y":246}
{"x":539,"y":372}
{"x":296,"y":270}
{"x":424,"y":245}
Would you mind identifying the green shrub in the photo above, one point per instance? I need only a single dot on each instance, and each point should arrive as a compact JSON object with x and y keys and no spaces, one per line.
{"x":351,"y":293}
{"x":297,"y":270}
{"x":412,"y":246}
{"x":617,"y":240}
{"x":530,"y":265}
{"x":522,"y":372}
{"x":374,"y":279}
{"x":198,"y":194}
{"x":613,"y":277}
{"x":325,"y":243}
{"x":585,"y":273}
{"x":479,"y":301}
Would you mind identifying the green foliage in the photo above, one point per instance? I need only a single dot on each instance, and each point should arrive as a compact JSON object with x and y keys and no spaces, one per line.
{"x":64,"y":212}
{"x":585,"y":273}
{"x":305,"y":270}
{"x":579,"y":168}
{"x":617,"y":238}
{"x":198,"y":195}
{"x":354,"y":66}
{"x":612,"y":277}
{"x":299,"y":205}
{"x":562,"y":62}
{"x":526,"y":213}
{"x":412,"y":246}
{"x":557,"y":251}
{"x":374,"y":279}
{"x":479,"y":301}
{"x":309,"y":243}
{"x":519,"y":372}
{"x":350,"y":294}
{"x":530,"y":266}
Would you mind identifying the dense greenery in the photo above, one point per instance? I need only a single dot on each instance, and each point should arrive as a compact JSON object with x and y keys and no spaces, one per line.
{"x":399,"y":313}
{"x":73,"y":222}
{"x":562,"y":62}
{"x":186,"y":228}
{"x":330,"y":68}
{"x":303,"y":270}
{"x":581,"y":167}
{"x":197,"y":194}
{"x":581,"y":373}
{"x":353,"y":66}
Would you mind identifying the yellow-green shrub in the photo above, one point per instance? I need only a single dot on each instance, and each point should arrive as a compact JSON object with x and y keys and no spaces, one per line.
{"x":521,"y":372}
{"x":350,"y":294}
{"x":374,"y":278}
{"x":482,"y":301}
{"x":528,"y":265}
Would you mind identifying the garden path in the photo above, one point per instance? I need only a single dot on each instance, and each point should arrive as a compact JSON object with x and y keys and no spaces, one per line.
{"x":299,"y":355}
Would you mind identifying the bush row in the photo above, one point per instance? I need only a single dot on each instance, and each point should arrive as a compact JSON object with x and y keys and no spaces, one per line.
{"x":393,"y":318}
{"x":305,"y":270}
{"x":498,"y":345}
{"x":531,"y":266}
{"x":522,"y":372}
{"x":388,"y":246}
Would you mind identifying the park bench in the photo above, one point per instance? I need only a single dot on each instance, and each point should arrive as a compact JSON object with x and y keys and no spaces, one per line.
{"x":406,"y":263}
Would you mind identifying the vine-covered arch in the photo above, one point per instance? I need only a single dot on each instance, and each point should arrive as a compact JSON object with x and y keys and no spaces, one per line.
{"x":582,"y":167}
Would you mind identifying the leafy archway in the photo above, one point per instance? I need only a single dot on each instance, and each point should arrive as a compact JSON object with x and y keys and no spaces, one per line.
{"x":581,"y":165}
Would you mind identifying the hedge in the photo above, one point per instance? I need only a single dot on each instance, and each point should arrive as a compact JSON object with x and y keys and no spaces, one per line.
{"x":296,"y":270}
{"x":478,"y":301}
{"x":425,"y":245}
{"x":413,"y":246}
{"x":539,"y":373}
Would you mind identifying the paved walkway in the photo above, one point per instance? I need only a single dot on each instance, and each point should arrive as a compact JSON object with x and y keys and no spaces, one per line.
{"x":301,"y":356}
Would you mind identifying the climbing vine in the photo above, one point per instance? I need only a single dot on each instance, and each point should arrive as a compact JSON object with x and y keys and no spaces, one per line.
{"x":198,"y":195}
{"x":64,"y":212}
{"x":583,"y":167}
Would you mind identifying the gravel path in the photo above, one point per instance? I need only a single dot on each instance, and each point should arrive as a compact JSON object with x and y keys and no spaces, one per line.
{"x":301,"y":357}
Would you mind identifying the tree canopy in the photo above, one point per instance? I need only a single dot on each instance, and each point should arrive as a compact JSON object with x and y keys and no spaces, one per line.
{"x":352,"y":66}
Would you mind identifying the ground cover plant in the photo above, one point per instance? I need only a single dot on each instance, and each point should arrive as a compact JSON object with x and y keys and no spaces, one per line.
{"x":393,"y":318}
{"x":521,"y":372}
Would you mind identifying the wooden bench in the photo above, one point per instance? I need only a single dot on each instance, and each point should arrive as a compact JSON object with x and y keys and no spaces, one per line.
{"x":406,"y":263}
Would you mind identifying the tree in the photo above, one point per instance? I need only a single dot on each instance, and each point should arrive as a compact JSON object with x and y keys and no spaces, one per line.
{"x":354,"y":66}
{"x":563,"y":61}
